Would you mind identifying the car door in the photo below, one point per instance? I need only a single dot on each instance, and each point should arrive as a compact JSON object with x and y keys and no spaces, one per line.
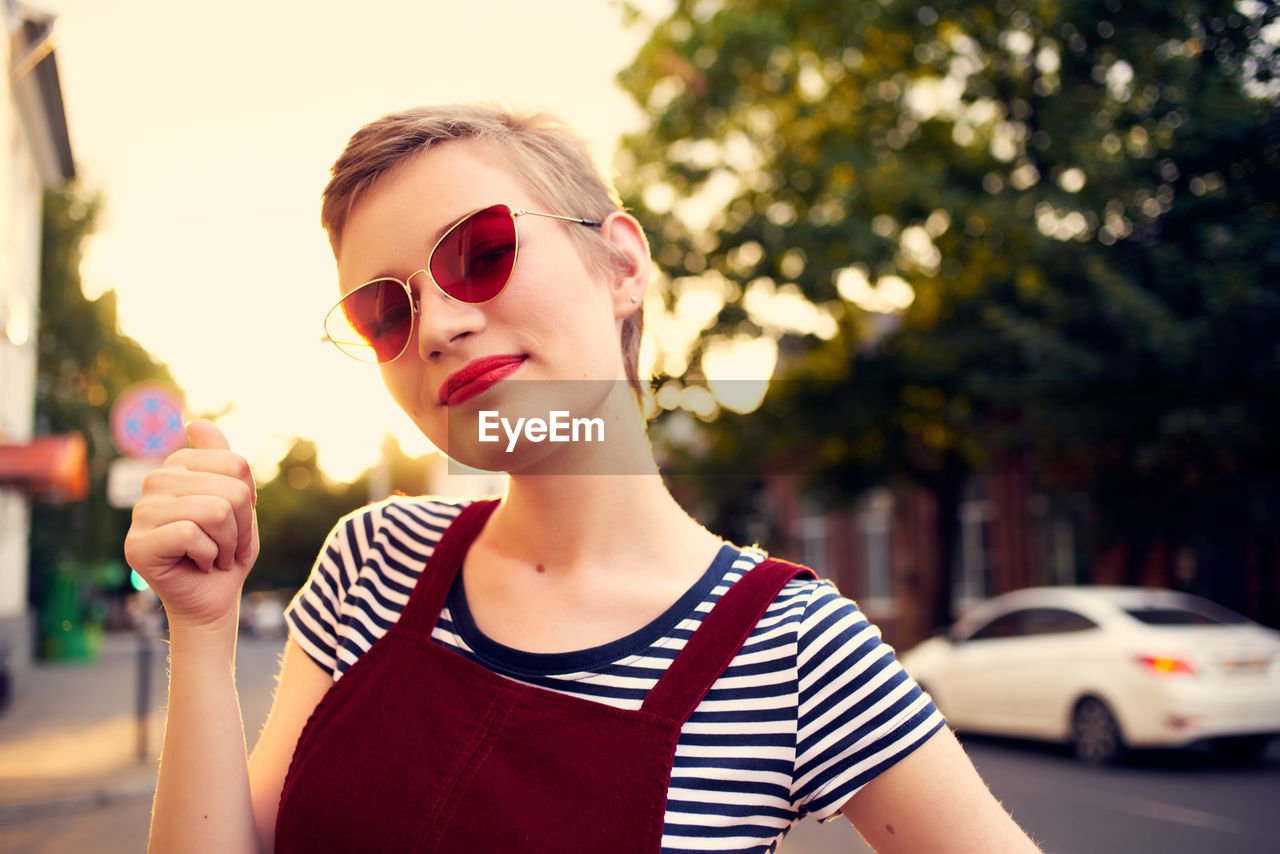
{"x":976,"y":688}
{"x":1013,"y":675}
{"x":1055,"y":647}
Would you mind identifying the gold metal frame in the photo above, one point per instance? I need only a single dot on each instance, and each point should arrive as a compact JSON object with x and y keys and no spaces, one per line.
{"x":415,"y":307}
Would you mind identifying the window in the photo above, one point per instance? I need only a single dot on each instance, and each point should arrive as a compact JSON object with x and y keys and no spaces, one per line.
{"x":1005,"y":626}
{"x":1174,"y":616}
{"x":1055,"y":533}
{"x":1026,"y":622}
{"x":813,"y":543}
{"x":1054,"y":621}
{"x":975,"y":550}
{"x":875,"y":524}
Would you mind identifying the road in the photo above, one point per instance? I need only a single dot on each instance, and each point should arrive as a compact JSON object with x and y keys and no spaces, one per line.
{"x":1170,"y":803}
{"x":1166,"y":803}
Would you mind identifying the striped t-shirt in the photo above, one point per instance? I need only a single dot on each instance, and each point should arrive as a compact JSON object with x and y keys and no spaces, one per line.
{"x":813,"y":706}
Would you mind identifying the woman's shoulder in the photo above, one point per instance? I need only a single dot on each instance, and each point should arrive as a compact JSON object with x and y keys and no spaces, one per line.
{"x":363,"y":576}
{"x":809,"y":610}
{"x":400,"y":508}
{"x":385,"y":541}
{"x":415,"y":522}
{"x":818,"y":622}
{"x":808,"y":596}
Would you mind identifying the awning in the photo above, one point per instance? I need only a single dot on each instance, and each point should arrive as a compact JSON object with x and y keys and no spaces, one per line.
{"x":51,"y":466}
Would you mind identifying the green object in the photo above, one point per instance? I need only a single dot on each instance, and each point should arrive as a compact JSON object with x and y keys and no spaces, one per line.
{"x":65,"y":634}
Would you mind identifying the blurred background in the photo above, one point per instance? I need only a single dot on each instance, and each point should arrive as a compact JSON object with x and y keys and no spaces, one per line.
{"x":950,"y":300}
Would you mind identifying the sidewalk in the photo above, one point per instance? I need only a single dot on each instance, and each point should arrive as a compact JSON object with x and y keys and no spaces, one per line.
{"x":70,"y":738}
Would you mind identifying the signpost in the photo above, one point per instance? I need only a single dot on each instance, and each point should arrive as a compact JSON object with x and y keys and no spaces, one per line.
{"x":146,"y":426}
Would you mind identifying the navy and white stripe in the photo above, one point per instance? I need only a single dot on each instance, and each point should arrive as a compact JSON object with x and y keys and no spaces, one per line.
{"x":812,"y":708}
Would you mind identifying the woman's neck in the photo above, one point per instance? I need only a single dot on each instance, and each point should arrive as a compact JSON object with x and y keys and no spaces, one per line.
{"x":565,"y":521}
{"x":587,"y":546}
{"x":595,"y":505}
{"x":572,"y":562}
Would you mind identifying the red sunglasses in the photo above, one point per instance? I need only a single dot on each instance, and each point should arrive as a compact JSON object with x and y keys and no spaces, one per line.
{"x":471,"y":262}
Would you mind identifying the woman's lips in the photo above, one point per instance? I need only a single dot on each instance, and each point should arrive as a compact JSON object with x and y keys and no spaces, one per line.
{"x":475,"y":377}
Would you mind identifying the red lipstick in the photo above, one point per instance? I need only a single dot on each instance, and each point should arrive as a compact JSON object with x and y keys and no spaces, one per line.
{"x":477,"y":376}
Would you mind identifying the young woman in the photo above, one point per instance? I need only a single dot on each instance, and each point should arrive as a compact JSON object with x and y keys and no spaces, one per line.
{"x":578,"y":666}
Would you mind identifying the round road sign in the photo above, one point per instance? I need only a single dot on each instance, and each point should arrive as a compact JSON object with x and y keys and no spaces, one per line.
{"x":146,"y":421}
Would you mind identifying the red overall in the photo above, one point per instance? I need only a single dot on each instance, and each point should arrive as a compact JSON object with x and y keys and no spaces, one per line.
{"x":418,"y":749}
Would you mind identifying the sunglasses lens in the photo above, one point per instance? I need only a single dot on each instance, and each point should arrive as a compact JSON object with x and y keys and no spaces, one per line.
{"x":473,"y":261}
{"x":372,"y":323}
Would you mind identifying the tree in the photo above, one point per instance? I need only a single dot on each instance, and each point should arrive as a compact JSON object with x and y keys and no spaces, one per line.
{"x":299,"y":506}
{"x":1041,"y":231}
{"x":296,"y":510}
{"x":83,"y":363}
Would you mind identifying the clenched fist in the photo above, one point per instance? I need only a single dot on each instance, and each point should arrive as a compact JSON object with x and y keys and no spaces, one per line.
{"x":194,"y":535}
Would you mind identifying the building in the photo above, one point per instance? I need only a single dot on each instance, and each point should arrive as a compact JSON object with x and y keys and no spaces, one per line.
{"x":885,"y":551}
{"x":35,"y":154}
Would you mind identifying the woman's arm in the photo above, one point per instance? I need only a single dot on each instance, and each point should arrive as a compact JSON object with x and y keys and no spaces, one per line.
{"x":194,"y":538}
{"x":202,"y":795}
{"x":932,"y":801}
{"x":302,"y":684}
{"x":204,"y":728}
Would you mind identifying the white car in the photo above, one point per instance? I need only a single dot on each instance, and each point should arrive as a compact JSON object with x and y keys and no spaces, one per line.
{"x":1105,"y":669}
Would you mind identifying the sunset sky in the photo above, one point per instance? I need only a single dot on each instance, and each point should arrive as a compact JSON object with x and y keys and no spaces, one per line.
{"x":209,"y":129}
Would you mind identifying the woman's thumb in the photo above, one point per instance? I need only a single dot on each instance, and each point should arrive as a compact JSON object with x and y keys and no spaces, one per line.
{"x":205,"y":436}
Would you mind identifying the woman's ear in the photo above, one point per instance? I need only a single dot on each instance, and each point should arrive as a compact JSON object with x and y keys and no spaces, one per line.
{"x":630,"y":266}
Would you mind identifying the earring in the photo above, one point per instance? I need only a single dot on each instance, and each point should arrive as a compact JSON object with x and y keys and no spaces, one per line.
{"x":634,"y":299}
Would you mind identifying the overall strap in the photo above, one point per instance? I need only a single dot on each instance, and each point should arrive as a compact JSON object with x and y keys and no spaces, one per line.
{"x":427,"y":599}
{"x":715,"y":643}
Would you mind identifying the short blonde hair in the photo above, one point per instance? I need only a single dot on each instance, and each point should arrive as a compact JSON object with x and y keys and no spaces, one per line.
{"x":551,"y":160}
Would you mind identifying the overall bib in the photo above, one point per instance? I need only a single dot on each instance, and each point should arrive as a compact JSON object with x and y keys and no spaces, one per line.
{"x":418,"y":749}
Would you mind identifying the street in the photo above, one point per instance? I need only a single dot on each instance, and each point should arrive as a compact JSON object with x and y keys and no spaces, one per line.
{"x":1170,"y":803}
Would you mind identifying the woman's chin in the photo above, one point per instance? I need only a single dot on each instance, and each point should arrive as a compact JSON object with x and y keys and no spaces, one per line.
{"x":526,"y":459}
{"x":482,"y":458}
{"x":543,"y":427}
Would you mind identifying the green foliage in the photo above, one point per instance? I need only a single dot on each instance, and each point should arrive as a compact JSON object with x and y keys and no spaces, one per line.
{"x":1081,"y":195}
{"x":299,"y":506}
{"x":83,"y":363}
{"x":296,"y":510}
{"x":84,"y":360}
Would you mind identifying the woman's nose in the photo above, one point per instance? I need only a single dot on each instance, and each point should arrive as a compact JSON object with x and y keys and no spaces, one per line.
{"x":442,"y":321}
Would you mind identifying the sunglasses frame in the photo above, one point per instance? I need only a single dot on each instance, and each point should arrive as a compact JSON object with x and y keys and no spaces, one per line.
{"x":415,"y":307}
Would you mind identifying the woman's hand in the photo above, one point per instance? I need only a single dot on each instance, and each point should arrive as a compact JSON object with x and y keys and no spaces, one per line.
{"x":194,"y":535}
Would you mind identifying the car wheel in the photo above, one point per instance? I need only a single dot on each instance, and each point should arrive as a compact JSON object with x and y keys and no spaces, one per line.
{"x":1095,"y":735}
{"x":1241,"y":749}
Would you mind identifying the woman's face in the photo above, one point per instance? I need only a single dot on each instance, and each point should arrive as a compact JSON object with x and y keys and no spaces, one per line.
{"x":555,"y":323}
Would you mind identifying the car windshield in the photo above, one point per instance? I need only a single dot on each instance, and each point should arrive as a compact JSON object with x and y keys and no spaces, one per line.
{"x":1166,"y":615}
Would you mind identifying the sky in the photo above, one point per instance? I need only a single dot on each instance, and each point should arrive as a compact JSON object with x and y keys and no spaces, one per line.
{"x":209,"y":129}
